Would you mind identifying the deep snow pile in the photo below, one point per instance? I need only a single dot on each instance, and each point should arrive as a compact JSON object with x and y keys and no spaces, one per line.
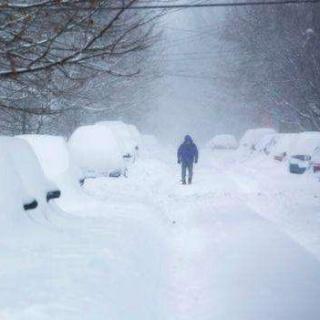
{"x":155,"y":249}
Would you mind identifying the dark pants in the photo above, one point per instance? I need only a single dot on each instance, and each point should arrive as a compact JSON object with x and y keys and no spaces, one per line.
{"x":187,"y":166}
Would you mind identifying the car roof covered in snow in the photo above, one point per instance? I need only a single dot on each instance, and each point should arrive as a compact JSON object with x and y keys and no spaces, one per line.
{"x":306,"y":143}
{"x":223,"y":140}
{"x":267,"y":142}
{"x":96,"y":148}
{"x":252,"y":136}
{"x":128,"y":136}
{"x":285,"y":143}
{"x":51,"y":151}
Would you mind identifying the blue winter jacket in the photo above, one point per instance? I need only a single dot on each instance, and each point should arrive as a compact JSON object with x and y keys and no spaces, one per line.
{"x":188,"y":151}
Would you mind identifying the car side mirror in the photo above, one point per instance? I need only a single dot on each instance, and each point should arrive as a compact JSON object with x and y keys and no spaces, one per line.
{"x":30,"y":205}
{"x":54,"y":194}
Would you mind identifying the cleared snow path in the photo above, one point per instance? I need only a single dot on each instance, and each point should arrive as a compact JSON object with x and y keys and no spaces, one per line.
{"x":155,"y":249}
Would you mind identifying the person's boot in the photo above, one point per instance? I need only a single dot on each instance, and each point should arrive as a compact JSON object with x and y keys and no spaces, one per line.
{"x":189,"y":180}
{"x":183,"y":181}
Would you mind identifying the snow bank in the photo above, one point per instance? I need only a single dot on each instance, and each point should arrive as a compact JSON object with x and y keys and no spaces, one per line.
{"x":96,"y":150}
{"x":253,"y":136}
{"x":223,"y":141}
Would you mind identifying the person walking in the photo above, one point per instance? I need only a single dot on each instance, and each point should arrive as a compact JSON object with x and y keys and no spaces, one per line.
{"x":187,"y":156}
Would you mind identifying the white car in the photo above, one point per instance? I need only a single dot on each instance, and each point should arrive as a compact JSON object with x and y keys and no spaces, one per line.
{"x":223,"y":141}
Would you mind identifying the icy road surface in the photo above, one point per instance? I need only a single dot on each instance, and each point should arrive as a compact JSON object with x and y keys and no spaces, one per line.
{"x":149,"y":248}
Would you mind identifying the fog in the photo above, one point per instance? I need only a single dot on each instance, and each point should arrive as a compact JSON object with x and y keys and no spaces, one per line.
{"x":193,"y":94}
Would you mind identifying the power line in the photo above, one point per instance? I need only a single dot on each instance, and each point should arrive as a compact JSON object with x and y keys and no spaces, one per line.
{"x":217,"y":4}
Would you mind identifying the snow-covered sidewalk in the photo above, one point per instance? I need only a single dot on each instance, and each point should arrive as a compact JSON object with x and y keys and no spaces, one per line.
{"x":155,"y":249}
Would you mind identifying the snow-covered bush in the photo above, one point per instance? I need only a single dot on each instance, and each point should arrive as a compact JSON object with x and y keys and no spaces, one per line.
{"x":223,"y":141}
{"x":97,"y":150}
{"x":56,"y":161}
{"x":253,"y":136}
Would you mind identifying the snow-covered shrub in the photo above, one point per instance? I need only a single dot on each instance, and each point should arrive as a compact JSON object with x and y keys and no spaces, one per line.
{"x":223,"y":141}
{"x":97,"y":150}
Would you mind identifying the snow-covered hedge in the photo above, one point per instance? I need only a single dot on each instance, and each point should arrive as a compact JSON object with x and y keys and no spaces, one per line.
{"x":223,"y":141}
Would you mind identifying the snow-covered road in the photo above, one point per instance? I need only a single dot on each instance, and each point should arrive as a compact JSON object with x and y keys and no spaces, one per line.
{"x":150,"y":248}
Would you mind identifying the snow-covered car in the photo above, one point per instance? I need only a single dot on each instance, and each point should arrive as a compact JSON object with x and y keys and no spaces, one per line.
{"x":304,"y":148}
{"x":253,"y":136}
{"x":127,"y":135}
{"x":267,"y":143}
{"x":284,"y":146}
{"x":56,"y":161}
{"x":28,"y":167}
{"x":223,"y":141}
{"x":315,"y":160}
{"x":97,"y":150}
{"x":14,"y":197}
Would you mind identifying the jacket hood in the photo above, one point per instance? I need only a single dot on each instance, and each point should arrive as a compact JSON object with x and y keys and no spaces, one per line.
{"x":188,"y":139}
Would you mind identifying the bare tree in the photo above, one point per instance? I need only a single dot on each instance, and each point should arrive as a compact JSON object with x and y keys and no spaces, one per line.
{"x":49,"y":49}
{"x":278,"y":61}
